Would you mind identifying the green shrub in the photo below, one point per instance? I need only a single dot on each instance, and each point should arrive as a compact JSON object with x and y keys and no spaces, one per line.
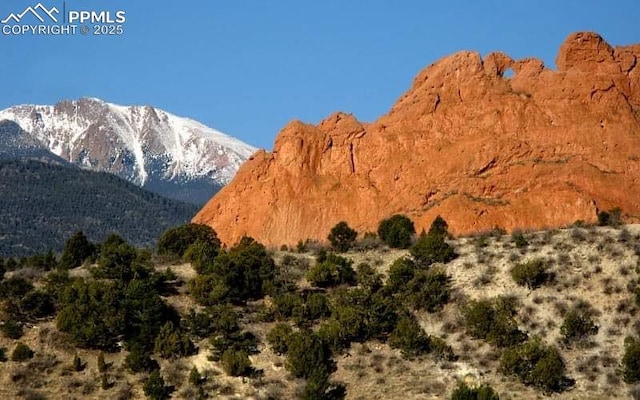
{"x":612,"y":217}
{"x":318,"y":387}
{"x":432,"y":248}
{"x":535,"y":364}
{"x":236,"y":362}
{"x":104,"y":382}
{"x":11,"y":264}
{"x":428,"y":290}
{"x":201,"y":254}
{"x":12,"y":329}
{"x":333,"y":271}
{"x":362,"y":315}
{"x":286,"y":305}
{"x":15,"y":288}
{"x":198,"y":324}
{"x":532,"y":274}
{"x":577,"y":326}
{"x":21,"y":352}
{"x":209,"y":290}
{"x":350,"y":309}
{"x":396,"y":231}
{"x":482,"y":392}
{"x":321,"y":255}
{"x":40,"y":261}
{"x":400,"y":273}
{"x":36,"y":304}
{"x":342,"y":237}
{"x":176,"y":241}
{"x":154,"y":387}
{"x":55,"y":284}
{"x":439,"y":227}
{"x":92,"y":314}
{"x":225,"y":320}
{"x":519,"y":239}
{"x":333,"y":336}
{"x":78,"y":365}
{"x":316,"y":306}
{"x":76,"y":251}
{"x":409,"y":337}
{"x":441,"y":350}
{"x":368,"y":278}
{"x":301,"y":246}
{"x":324,"y":275}
{"x":3,"y":354}
{"x":308,"y":356}
{"x":278,"y":337}
{"x":145,"y":312}
{"x":549,"y":372}
{"x":139,"y":360}
{"x":121,"y":261}
{"x":631,"y":360}
{"x":493,"y":321}
{"x":243,"y":341}
{"x":172,"y":343}
{"x":382,"y":315}
{"x":98,"y":313}
{"x":102,"y":365}
{"x":245,"y":272}
{"x":195,"y":378}
{"x":481,"y":241}
{"x":219,"y":319}
{"x":303,"y":309}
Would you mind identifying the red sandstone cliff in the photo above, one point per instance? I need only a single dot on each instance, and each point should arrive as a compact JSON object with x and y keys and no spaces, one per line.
{"x":543,"y":148}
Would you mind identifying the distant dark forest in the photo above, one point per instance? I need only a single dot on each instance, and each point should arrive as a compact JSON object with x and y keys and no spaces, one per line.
{"x":42,"y":205}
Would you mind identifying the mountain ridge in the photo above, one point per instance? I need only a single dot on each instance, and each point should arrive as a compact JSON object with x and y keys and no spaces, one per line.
{"x":143,"y":144}
{"x":540,"y":148}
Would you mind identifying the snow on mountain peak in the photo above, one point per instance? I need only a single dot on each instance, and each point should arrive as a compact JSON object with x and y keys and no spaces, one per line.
{"x":140,"y":143}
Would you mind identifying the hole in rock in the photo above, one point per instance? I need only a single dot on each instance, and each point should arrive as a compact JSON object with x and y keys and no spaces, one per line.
{"x":508,"y":73}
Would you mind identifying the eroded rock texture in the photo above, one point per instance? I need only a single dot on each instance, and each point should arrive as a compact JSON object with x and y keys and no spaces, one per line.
{"x":542,"y":148}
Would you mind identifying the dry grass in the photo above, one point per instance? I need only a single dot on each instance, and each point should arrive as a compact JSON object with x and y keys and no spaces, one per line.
{"x":593,"y":264}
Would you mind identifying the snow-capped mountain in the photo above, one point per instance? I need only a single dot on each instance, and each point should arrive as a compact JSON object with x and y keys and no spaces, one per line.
{"x":174,"y":156}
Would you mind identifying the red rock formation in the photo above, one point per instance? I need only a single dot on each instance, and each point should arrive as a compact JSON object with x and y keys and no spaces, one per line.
{"x":540,"y":149}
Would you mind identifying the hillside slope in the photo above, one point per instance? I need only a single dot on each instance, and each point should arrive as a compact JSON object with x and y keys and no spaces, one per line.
{"x":43,"y":204}
{"x":588,"y":268}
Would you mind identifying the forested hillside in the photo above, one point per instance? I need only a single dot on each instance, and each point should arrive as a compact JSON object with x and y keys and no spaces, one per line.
{"x":41,"y":205}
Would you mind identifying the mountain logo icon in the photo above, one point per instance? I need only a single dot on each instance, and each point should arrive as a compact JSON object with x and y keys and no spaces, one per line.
{"x":37,"y":11}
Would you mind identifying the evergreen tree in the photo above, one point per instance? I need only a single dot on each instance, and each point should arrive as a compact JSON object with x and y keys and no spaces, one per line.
{"x":396,"y":231}
{"x":102,"y":365}
{"x":308,"y":356}
{"x":432,"y":248}
{"x":171,"y":342}
{"x":154,"y":387}
{"x":175,"y":241}
{"x":342,"y":237}
{"x":77,"y":249}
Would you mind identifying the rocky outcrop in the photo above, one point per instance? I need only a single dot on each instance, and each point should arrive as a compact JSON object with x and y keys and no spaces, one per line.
{"x":540,"y":148}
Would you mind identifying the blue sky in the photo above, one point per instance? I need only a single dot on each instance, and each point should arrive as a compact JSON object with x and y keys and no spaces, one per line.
{"x":248,"y":67}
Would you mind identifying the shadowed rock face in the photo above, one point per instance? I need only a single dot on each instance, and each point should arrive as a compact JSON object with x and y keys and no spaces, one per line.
{"x":543,"y":148}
